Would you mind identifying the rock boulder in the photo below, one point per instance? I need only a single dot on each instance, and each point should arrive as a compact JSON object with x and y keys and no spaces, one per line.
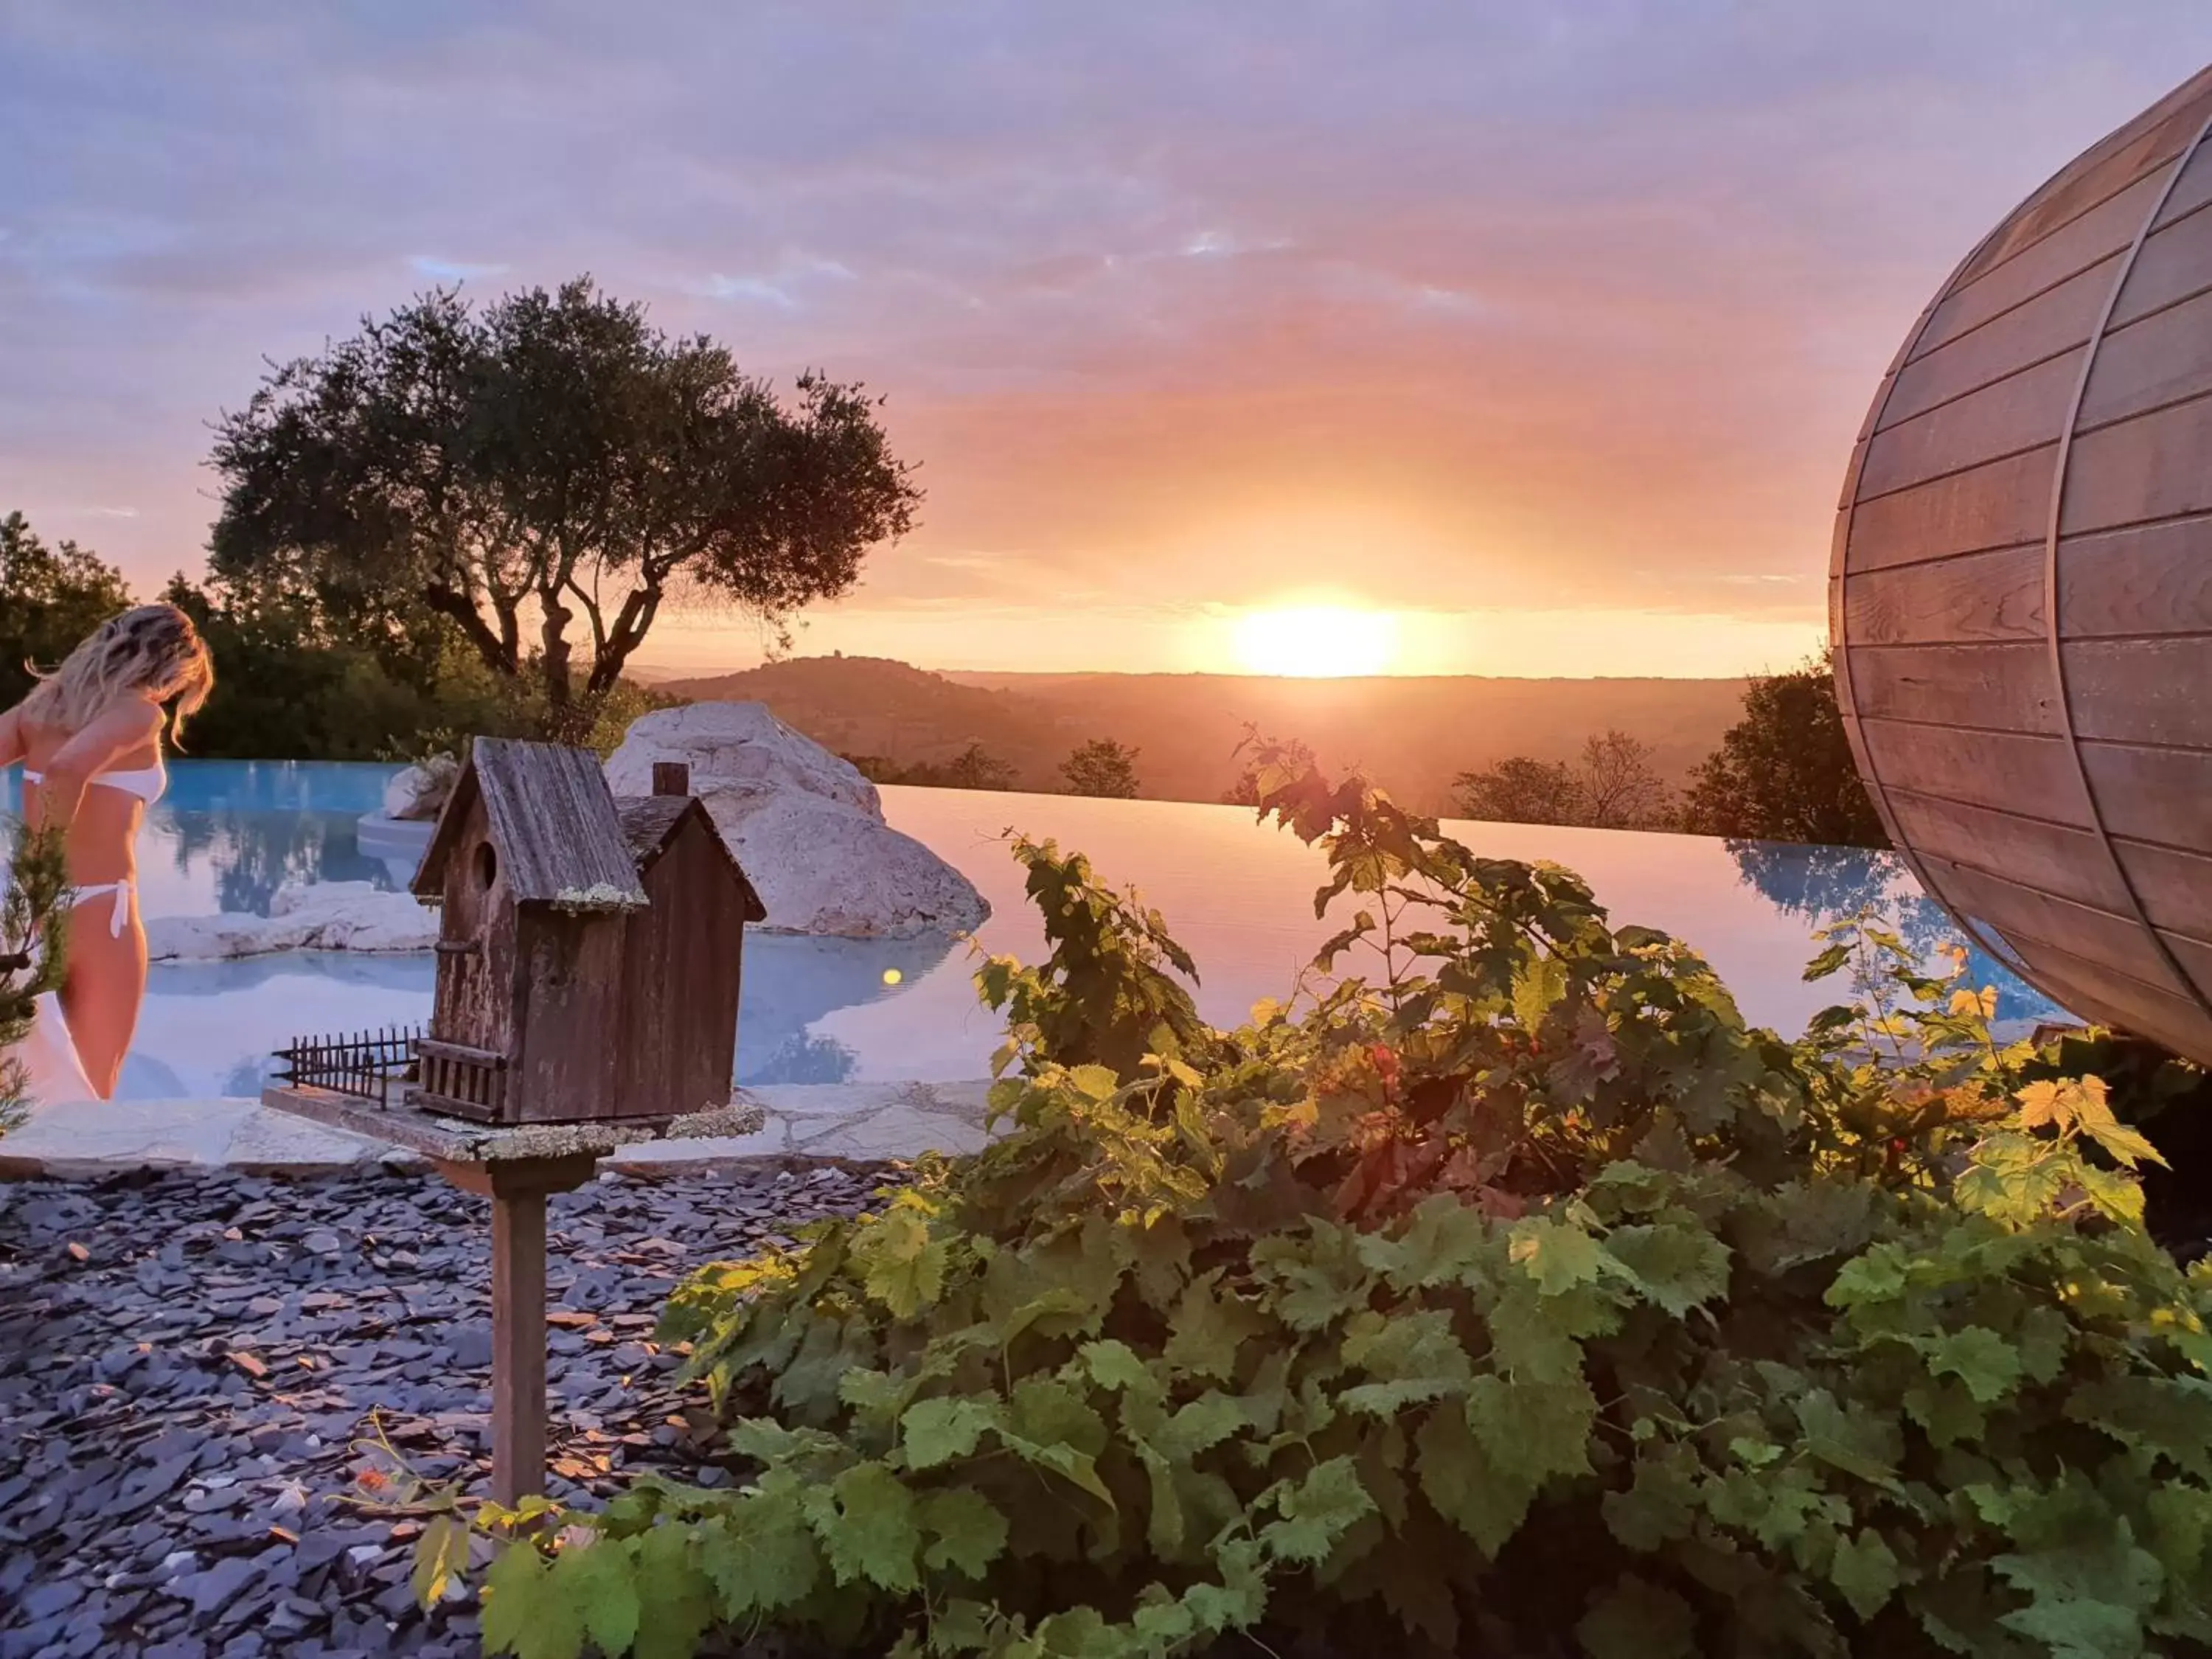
{"x":420,"y":792}
{"x":333,"y":915}
{"x":807,"y":827}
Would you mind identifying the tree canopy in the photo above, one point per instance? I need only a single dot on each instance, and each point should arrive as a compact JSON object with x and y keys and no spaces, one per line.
{"x":1785,"y":772}
{"x":550,"y":458}
{"x":50,"y":598}
{"x":1102,"y":767}
{"x":1611,"y":785}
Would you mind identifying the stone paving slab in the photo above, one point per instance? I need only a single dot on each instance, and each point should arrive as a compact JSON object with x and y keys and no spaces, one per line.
{"x":818,"y":1125}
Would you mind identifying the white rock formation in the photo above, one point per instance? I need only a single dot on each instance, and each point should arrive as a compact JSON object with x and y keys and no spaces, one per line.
{"x":332,"y":915}
{"x":420,"y":792}
{"x":807,"y":827}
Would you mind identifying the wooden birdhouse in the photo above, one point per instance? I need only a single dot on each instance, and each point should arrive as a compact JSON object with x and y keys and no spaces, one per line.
{"x":589,"y":948}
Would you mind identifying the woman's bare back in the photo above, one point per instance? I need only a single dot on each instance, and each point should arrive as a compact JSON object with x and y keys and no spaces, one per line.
{"x":103,"y":823}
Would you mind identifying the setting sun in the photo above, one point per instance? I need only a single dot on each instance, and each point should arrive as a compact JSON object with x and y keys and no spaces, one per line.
{"x":1316,"y":642}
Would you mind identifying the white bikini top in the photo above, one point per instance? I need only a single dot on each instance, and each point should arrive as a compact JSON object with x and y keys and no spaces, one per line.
{"x":147,"y":782}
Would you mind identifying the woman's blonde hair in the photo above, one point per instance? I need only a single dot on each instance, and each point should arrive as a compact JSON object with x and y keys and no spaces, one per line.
{"x":153,"y":651}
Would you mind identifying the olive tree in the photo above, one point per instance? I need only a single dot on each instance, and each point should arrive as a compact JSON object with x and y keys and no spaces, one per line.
{"x":547,"y":474}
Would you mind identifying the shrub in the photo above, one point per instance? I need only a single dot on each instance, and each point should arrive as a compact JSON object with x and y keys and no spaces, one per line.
{"x":1517,"y":1299}
{"x":34,"y":918}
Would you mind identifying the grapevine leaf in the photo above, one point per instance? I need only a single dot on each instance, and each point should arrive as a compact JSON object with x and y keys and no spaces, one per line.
{"x":1527,"y":1340}
{"x":1806,"y":1221}
{"x":2080,"y":1628}
{"x":601,"y":1580}
{"x":441,"y":1554}
{"x":1538,"y":982}
{"x":1162,"y":1623}
{"x":674,"y":1602}
{"x":1078,"y":1468}
{"x":1096,"y":1083}
{"x":959,"y":1625}
{"x":1828,"y":962}
{"x":1864,"y":1569}
{"x":866,"y":1521}
{"x":1462,"y":1484}
{"x":763,"y":1557}
{"x":937,"y":1431}
{"x":1164,"y":1525}
{"x":1322,"y":1275}
{"x":965,"y":1531}
{"x":902,"y":1266}
{"x":1657,"y":1509}
{"x":2045,"y":1336}
{"x":1050,"y":1412}
{"x":1987,"y":1363}
{"x":1558,"y":1257}
{"x":1677,"y":1266}
{"x":1413,"y":1357}
{"x":1533,"y":1430}
{"x":1637,"y":1619}
{"x":1204,"y":1334}
{"x":1115,"y":1365}
{"x":1198,"y":1427}
{"x":524,"y":1613}
{"x":1878,"y":1275}
{"x":1238,"y":1601}
{"x":1316,"y":1511}
{"x":1444,"y":1241}
{"x":1849,"y":1437}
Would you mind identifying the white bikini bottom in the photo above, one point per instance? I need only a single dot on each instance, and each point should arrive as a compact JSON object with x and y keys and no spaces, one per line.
{"x":120,"y":917}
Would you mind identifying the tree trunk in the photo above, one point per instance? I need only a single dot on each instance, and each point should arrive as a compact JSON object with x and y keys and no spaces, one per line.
{"x":624,"y":637}
{"x":566,"y":720}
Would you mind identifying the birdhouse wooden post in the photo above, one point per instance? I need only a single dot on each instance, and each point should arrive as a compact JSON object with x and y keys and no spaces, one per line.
{"x":588,"y":968}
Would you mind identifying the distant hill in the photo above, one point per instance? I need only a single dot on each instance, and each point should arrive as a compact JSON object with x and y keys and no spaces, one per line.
{"x":1411,"y":735}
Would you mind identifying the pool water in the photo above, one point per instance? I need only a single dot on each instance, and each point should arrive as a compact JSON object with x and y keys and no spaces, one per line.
{"x":1237,"y":894}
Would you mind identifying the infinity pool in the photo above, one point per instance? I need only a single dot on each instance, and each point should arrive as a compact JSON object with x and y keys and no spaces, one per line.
{"x":1239,"y":895}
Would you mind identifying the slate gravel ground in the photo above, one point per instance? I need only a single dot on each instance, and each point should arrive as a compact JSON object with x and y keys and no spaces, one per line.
{"x":188,"y":1364}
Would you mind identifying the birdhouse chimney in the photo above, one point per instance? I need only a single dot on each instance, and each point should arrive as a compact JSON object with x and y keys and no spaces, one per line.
{"x":671,"y":778}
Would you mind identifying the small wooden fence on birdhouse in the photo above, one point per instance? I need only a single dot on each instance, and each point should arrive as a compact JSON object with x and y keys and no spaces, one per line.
{"x":399,"y":1066}
{"x":368,"y":1066}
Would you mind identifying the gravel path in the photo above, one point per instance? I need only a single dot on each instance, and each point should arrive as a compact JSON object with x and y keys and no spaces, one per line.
{"x":188,"y":1365}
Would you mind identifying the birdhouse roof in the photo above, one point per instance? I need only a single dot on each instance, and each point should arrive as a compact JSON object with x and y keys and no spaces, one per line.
{"x":553,"y":824}
{"x":651,"y":824}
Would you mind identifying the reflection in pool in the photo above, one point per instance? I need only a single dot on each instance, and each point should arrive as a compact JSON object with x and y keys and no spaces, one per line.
{"x":1239,"y":895}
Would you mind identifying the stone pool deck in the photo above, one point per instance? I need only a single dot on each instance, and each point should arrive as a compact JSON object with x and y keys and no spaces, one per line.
{"x":829,"y":1125}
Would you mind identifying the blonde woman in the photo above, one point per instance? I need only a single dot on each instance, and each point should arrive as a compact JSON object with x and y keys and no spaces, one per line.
{"x":89,"y":738}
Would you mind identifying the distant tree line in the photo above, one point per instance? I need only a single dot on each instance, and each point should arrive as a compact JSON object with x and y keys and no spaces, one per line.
{"x":973,"y":767}
{"x":1102,"y":767}
{"x":1784,"y":772}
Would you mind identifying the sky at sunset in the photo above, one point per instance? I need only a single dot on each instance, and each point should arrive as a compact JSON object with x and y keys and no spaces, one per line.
{"x":1540,"y":332}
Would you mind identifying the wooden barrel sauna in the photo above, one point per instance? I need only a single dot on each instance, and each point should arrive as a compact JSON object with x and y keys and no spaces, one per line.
{"x":2020,"y":594}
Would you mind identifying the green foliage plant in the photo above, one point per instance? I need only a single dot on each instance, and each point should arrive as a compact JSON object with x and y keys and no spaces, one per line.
{"x":1513,"y":1297}
{"x":34,"y":918}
